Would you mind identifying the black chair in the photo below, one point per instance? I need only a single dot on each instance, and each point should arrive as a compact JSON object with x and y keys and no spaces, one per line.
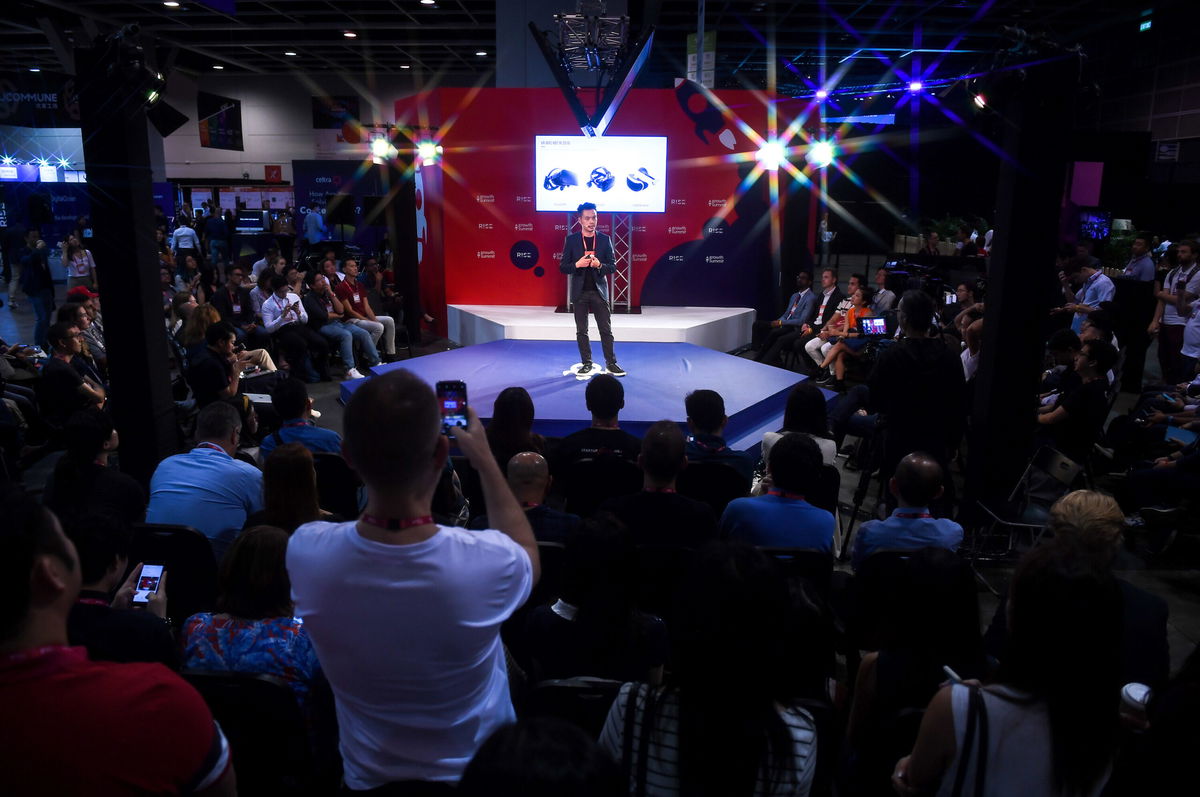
{"x":266,"y":729}
{"x":582,"y":701}
{"x":553,"y":558}
{"x":337,"y":485}
{"x":816,"y":567}
{"x":1048,"y":477}
{"x":187,"y":556}
{"x":714,"y":483}
{"x":660,"y":568}
{"x":591,"y":482}
{"x":877,"y":583}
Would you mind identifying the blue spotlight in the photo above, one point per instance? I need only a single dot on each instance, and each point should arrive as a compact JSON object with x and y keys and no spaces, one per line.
{"x":915,"y":86}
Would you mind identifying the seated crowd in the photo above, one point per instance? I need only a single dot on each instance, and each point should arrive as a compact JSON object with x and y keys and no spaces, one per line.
{"x":598,"y":614}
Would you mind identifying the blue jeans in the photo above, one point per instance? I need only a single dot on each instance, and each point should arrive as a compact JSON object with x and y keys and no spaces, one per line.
{"x":43,"y":306}
{"x":344,"y":337}
{"x":218,"y":249}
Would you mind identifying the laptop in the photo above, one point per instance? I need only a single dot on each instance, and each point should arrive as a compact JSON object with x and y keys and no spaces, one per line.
{"x":873,"y":327}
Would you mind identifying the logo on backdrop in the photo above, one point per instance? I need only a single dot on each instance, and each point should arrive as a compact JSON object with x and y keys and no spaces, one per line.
{"x":524,"y":199}
{"x":678,"y":230}
{"x":486,"y":225}
{"x":678,"y":201}
{"x":485,"y":198}
{"x":718,"y":203}
{"x":524,"y":255}
{"x":639,"y":257}
{"x":523,"y":226}
{"x":486,"y":254}
{"x":715,"y":259}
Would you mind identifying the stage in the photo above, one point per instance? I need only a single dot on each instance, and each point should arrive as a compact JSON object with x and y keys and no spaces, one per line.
{"x":718,"y":328}
{"x":660,"y":375}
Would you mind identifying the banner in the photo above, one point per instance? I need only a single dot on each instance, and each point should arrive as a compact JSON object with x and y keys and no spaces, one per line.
{"x":321,"y":184}
{"x":220,"y":121}
{"x":38,"y":99}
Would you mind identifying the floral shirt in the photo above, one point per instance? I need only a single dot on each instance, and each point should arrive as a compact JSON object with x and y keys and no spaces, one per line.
{"x":276,"y":646}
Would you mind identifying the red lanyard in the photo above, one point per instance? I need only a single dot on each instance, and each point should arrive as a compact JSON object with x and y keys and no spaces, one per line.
{"x":585,"y":244}
{"x":785,"y":494}
{"x":92,"y":602}
{"x":28,"y":655}
{"x":911,"y":514}
{"x":213,"y":446}
{"x":658,"y":489}
{"x":397,"y":524}
{"x":530,"y":504}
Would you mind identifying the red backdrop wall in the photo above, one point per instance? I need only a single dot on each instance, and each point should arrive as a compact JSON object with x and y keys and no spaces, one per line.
{"x":710,"y":248}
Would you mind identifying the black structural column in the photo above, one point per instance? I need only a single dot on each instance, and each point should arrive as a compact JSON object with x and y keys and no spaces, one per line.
{"x":1038,"y":114}
{"x":117,"y":153}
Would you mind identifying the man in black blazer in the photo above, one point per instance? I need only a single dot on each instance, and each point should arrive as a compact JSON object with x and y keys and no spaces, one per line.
{"x":826,"y":305}
{"x":232,"y":300}
{"x":588,"y":257}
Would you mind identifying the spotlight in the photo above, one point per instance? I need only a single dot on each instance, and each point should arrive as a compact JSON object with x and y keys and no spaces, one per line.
{"x":381,"y":148}
{"x":428,"y":2}
{"x":916,"y":86}
{"x":43,"y":162}
{"x":405,"y":66}
{"x":217,"y":66}
{"x":7,"y":160}
{"x":288,"y":53}
{"x":771,"y":154}
{"x":349,"y":34}
{"x":34,"y":69}
{"x":820,"y":154}
{"x":980,"y":101}
{"x":429,"y":152}
{"x":481,"y":52}
{"x":171,"y":4}
{"x":63,"y":162}
{"x":822,"y":94}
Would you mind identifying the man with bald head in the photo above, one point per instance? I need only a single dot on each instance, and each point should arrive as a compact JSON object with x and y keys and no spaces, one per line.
{"x":917,"y":483}
{"x":529,"y":479}
{"x":658,"y":515}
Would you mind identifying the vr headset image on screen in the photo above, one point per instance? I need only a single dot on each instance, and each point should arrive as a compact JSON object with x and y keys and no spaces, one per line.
{"x":624,"y":174}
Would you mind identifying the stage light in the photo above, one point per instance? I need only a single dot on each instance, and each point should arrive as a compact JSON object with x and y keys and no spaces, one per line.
{"x":980,"y":101}
{"x":429,"y":152}
{"x":916,"y":86}
{"x":34,"y":69}
{"x":43,"y":162}
{"x":217,"y":66}
{"x":349,"y":34}
{"x":289,"y":53}
{"x":428,"y":2}
{"x":171,"y":4}
{"x":481,"y":52}
{"x":63,"y":162}
{"x":822,"y":94}
{"x":380,"y":147}
{"x":405,"y":66}
{"x":820,"y":154}
{"x":7,"y":160}
{"x":771,"y":154}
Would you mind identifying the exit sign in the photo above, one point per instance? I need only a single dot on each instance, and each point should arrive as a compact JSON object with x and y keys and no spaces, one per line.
{"x":1145,"y":26}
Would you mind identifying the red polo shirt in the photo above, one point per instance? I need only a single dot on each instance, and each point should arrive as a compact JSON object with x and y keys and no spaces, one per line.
{"x":352,"y":293}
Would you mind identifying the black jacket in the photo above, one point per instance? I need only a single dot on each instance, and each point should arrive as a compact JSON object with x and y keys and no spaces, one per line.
{"x":224,"y":306}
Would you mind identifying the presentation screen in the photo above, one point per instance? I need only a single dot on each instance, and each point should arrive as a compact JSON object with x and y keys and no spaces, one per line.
{"x":620,"y":174}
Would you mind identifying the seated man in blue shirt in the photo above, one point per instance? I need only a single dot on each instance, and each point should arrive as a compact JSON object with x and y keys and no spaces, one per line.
{"x":290,"y":399}
{"x":706,"y":421}
{"x":207,"y":488}
{"x":782,"y":518}
{"x":916,"y":484}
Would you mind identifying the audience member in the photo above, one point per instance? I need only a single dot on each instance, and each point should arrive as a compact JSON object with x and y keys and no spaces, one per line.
{"x":658,"y":515}
{"x":37,"y":283}
{"x":234,"y":304}
{"x":782,"y":518}
{"x":605,"y":398}
{"x":287,"y":321}
{"x":414,"y":703}
{"x":93,"y":333}
{"x":1093,"y":523}
{"x":253,"y":630}
{"x":1168,"y":322}
{"x":801,"y":308}
{"x":884,"y":299}
{"x":207,"y":488}
{"x":706,"y":421}
{"x":1074,"y":425}
{"x":1095,"y":288}
{"x":595,"y":628}
{"x":530,"y":480}
{"x":108,"y":624}
{"x":179,"y":748}
{"x":194,"y":340}
{"x":326,"y":314}
{"x":827,"y":304}
{"x":294,"y":407}
{"x":83,"y":482}
{"x":1141,"y":265}
{"x":189,"y":279}
{"x":510,"y":431}
{"x":62,"y":390}
{"x":541,"y":757}
{"x":850,"y":341}
{"x":290,"y":497}
{"x":806,"y":413}
{"x":80,"y":265}
{"x":723,"y":724}
{"x":360,"y":313}
{"x":917,"y":483}
{"x":1048,"y":724}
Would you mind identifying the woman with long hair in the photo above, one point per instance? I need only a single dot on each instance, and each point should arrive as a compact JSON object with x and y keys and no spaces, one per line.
{"x":511,"y":429}
{"x":852,"y":341}
{"x":190,"y":279}
{"x":81,"y":268}
{"x":595,"y":628}
{"x":197,"y":325}
{"x":165,"y":256}
{"x":1048,"y":725}
{"x":805,"y":413}
{"x":289,"y":490}
{"x":253,"y":629}
{"x":724,"y":725}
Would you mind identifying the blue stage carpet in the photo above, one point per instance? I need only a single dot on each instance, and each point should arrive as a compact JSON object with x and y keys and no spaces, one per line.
{"x":659,"y":376}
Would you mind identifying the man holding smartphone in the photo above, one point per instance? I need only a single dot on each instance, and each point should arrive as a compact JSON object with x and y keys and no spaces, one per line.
{"x":404,"y":613}
{"x":588,"y":257}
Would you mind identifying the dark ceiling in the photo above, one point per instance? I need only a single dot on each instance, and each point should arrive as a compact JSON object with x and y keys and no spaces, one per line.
{"x":872,"y":41}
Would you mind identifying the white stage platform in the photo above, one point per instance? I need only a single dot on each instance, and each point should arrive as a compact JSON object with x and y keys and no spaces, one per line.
{"x":720,"y":328}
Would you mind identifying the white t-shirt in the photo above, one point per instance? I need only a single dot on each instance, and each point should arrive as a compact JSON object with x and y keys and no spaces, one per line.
{"x":409,"y":637}
{"x":1191,"y":333}
{"x":1170,"y":315}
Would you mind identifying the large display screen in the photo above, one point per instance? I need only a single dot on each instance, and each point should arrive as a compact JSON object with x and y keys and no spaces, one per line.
{"x":621,"y":174}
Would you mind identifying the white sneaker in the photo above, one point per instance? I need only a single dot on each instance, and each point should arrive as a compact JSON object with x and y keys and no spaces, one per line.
{"x":353,"y":373}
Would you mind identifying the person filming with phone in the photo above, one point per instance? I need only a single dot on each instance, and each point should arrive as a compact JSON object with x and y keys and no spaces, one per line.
{"x":404,"y":613}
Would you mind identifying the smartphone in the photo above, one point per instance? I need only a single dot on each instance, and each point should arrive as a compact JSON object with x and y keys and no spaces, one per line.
{"x":452,"y":400}
{"x":951,"y":298}
{"x":147,"y":584}
{"x":1168,"y":397}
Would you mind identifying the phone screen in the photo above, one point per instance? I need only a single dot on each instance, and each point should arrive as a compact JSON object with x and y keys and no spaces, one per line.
{"x":148,"y":583}
{"x":452,"y":400}
{"x":951,"y":298}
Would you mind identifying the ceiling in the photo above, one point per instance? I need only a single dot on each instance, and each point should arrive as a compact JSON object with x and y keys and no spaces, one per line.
{"x":870,"y":40}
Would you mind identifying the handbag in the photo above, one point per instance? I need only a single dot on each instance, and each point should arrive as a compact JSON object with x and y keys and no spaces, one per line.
{"x":639,"y":784}
{"x":977,"y":727}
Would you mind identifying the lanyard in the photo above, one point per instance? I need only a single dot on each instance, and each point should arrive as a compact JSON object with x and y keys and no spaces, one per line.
{"x":585,"y":243}
{"x":28,"y":655}
{"x":92,"y":602}
{"x":911,"y":514}
{"x":300,"y":422}
{"x":658,"y":489}
{"x":530,"y":504}
{"x":786,"y":494}
{"x":213,"y":446}
{"x":396,"y":524}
